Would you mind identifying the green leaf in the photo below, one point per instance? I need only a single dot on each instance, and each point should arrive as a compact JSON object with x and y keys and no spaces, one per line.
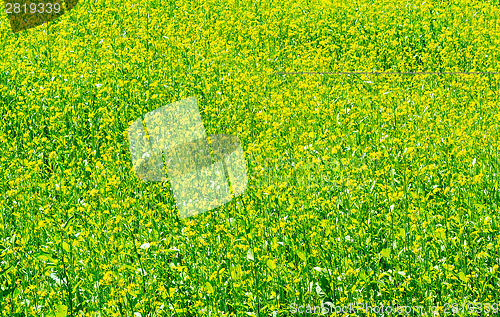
{"x":234,"y":275}
{"x":61,"y":310}
{"x":270,"y":264}
{"x":209,"y":287}
{"x":45,"y":257}
{"x":386,"y":253}
{"x":7,"y":270}
{"x":66,"y":247}
{"x":236,"y":272}
{"x":76,"y":286}
{"x":70,"y":218}
{"x":129,"y":267}
{"x":302,"y":256}
{"x":16,"y":292}
{"x":462,"y":276}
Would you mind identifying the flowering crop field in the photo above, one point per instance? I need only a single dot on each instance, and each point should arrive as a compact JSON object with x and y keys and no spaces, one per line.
{"x":374,"y":188}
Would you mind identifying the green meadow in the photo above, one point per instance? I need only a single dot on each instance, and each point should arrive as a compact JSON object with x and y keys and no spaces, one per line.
{"x":378,"y":187}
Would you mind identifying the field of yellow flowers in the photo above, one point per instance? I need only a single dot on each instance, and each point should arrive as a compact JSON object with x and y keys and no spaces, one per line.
{"x":381,"y":189}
